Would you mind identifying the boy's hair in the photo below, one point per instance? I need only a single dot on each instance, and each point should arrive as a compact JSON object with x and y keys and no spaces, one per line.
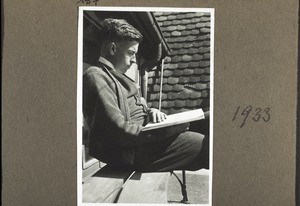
{"x":119,"y":30}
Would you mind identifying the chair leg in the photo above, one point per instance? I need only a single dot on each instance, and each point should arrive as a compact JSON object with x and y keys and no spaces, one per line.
{"x":183,"y":186}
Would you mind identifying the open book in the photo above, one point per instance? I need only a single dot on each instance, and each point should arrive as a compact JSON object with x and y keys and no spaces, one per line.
{"x":178,"y":118}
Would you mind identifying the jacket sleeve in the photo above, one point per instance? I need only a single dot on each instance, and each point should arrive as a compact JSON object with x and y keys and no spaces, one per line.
{"x":108,"y":119}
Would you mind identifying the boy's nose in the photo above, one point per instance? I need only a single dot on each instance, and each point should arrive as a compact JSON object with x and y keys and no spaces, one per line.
{"x":133,"y":59}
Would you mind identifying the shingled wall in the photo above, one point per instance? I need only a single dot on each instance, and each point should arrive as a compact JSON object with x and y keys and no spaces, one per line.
{"x":186,"y":76}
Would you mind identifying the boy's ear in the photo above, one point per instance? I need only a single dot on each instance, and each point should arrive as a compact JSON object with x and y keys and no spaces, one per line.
{"x":112,"y":48}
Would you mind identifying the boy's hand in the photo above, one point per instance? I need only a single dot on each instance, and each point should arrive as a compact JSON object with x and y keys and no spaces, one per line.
{"x":157,"y":116}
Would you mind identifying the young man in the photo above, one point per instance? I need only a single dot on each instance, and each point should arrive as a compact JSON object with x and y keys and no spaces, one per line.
{"x":115,"y":113}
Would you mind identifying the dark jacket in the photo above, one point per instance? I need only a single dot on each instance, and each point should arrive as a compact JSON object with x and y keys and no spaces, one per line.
{"x":112,"y":135}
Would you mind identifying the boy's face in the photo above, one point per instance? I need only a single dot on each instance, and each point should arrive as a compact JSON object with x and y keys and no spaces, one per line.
{"x":124,"y":55}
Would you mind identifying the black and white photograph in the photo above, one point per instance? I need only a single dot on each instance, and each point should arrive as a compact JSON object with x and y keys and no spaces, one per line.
{"x":145,"y":105}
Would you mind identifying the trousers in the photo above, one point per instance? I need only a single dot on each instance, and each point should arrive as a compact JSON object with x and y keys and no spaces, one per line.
{"x":184,"y":151}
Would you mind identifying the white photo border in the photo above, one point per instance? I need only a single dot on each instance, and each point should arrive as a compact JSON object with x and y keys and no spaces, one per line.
{"x":79,"y":88}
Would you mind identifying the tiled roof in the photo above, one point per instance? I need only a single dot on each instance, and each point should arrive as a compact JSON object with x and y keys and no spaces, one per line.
{"x":186,"y":74}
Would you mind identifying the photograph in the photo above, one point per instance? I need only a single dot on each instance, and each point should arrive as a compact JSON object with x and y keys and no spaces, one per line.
{"x":145,"y":105}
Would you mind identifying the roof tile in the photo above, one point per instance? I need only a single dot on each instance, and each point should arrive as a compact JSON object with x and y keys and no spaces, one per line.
{"x":206,"y":56}
{"x":194,"y":64}
{"x":183,"y":65}
{"x":171,"y":28}
{"x":170,"y":104}
{"x":154,"y":96}
{"x":187,"y":44}
{"x":190,"y":38}
{"x":190,"y":26}
{"x":198,"y":44}
{"x":179,"y":103}
{"x":178,"y":87}
{"x":155,"y":104}
{"x":180,"y":16}
{"x":185,"y":21}
{"x":186,"y":32}
{"x":166,"y":23}
{"x":195,"y":79}
{"x":190,"y":15}
{"x":200,"y":24}
{"x":188,"y":72}
{"x":162,"y":18}
{"x":176,"y":33}
{"x":183,"y":95}
{"x":204,"y":93}
{"x":206,"y":43}
{"x":171,"y":17}
{"x":176,"y":58}
{"x":194,"y":31}
{"x":195,"y":20}
{"x":167,"y":13}
{"x":203,"y":37}
{"x":191,"y":103}
{"x":155,"y":88}
{"x":164,"y":96}
{"x":157,"y":13}
{"x":195,"y":95}
{"x":167,"y":88}
{"x":164,"y":104}
{"x":150,"y":81}
{"x":178,"y":72}
{"x":181,"y":27}
{"x":174,"y":52}
{"x":168,"y":73}
{"x":207,"y":70}
{"x":172,"y":95}
{"x":207,"y":24}
{"x":205,"y":78}
{"x":166,"y":34}
{"x":176,"y":45}
{"x":151,"y":74}
{"x":171,"y":40}
{"x":200,"y":86}
{"x":204,"y":19}
{"x":197,"y":57}
{"x":199,"y":14}
{"x":197,"y":86}
{"x":186,"y":58}
{"x":172,"y":66}
{"x":199,"y":101}
{"x":183,"y":51}
{"x":184,"y":80}
{"x":173,"y":80}
{"x":204,"y":63}
{"x":176,"y":21}
{"x":203,"y":49}
{"x":205,"y":30}
{"x":192,"y":50}
{"x":149,"y":104}
{"x":199,"y":71}
{"x":167,"y":59}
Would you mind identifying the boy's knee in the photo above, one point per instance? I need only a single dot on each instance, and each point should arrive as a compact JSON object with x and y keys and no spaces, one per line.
{"x":192,"y":142}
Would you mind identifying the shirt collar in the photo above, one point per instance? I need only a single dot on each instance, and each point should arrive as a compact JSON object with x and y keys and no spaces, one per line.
{"x":106,"y":62}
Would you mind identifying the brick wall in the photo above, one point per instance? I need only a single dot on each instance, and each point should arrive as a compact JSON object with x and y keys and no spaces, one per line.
{"x":186,"y":74}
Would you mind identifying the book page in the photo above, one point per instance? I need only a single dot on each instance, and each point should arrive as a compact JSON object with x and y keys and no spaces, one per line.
{"x":175,"y":119}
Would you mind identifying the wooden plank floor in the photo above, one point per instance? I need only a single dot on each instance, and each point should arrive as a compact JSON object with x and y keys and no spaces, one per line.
{"x":103,"y":186}
{"x":146,"y":188}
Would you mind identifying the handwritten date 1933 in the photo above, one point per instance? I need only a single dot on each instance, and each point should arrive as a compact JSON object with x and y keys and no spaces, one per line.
{"x":256,"y":114}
